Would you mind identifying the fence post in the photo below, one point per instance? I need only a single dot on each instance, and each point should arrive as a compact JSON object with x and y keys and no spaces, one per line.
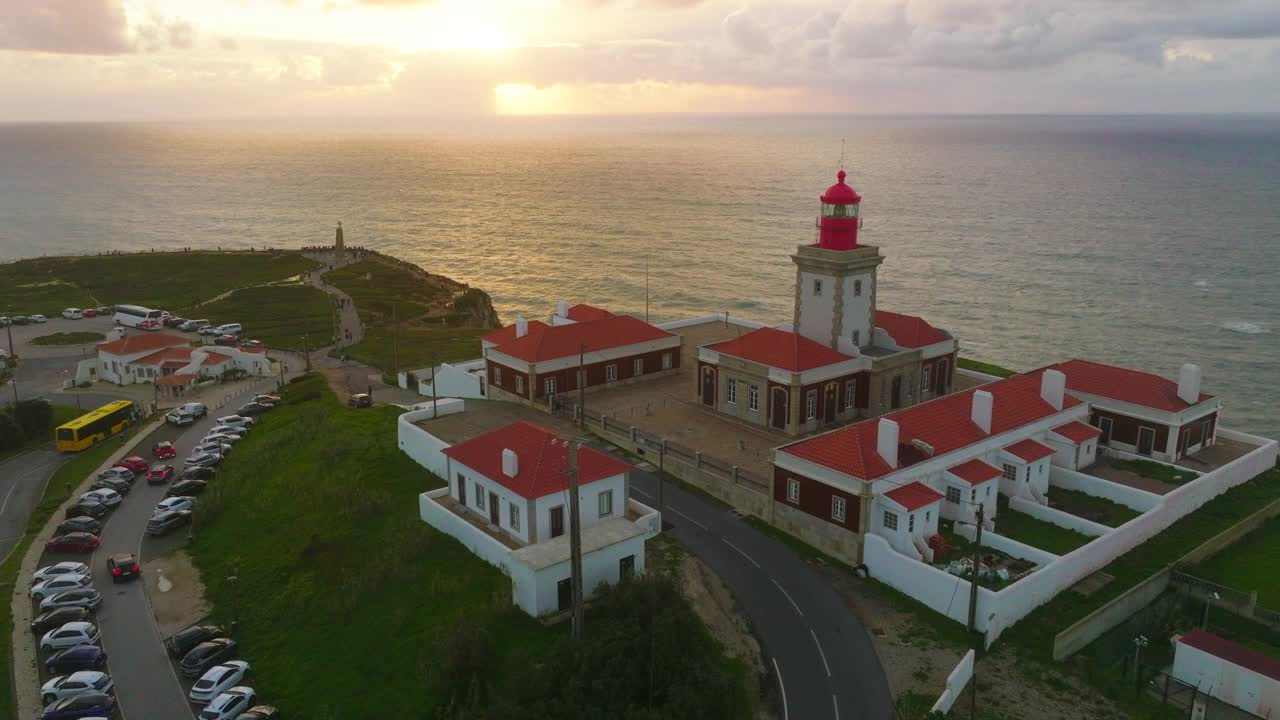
{"x":697,"y":459}
{"x":633,"y":433}
{"x":603,"y":417}
{"x":733,"y":474}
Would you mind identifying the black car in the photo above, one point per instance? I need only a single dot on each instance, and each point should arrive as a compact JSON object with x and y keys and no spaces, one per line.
{"x":84,"y":705}
{"x":59,"y":617}
{"x":168,"y":521}
{"x":360,"y":400}
{"x":80,"y":657}
{"x":260,"y":712}
{"x":198,"y":473}
{"x":79,"y":524}
{"x":122,"y":566}
{"x":250,"y":409}
{"x":118,"y":484}
{"x":206,"y":655}
{"x":20,"y":320}
{"x":186,"y":487}
{"x":181,"y":642}
{"x":86,"y":508}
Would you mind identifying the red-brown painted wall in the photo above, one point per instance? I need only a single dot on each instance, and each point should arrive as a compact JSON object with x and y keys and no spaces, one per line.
{"x":567,"y":379}
{"x":508,"y":378}
{"x":815,"y":498}
{"x":1125,"y":428}
{"x":860,"y":393}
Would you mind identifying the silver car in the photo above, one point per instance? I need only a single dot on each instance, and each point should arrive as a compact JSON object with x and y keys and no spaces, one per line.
{"x":85,"y":598}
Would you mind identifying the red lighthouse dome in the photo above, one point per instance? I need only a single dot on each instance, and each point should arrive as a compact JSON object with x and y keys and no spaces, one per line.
{"x":839,"y":218}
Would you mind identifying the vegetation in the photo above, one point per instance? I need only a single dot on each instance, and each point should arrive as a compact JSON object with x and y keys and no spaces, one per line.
{"x":171,"y":280}
{"x":1036,"y":532}
{"x":1091,"y":507}
{"x":1249,"y":564}
{"x":1157,"y":471}
{"x":69,"y":338}
{"x":415,"y":347}
{"x":984,"y":367}
{"x":381,"y":289}
{"x":285,"y":317}
{"x":316,"y":516}
{"x":30,"y":424}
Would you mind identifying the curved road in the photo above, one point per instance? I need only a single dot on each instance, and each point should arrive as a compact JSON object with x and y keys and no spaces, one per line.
{"x":22,"y":481}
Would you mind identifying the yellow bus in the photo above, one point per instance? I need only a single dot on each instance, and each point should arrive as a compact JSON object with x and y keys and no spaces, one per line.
{"x":92,"y":428}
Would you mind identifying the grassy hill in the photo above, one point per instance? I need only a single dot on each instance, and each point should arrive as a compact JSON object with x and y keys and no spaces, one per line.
{"x":279,"y":315}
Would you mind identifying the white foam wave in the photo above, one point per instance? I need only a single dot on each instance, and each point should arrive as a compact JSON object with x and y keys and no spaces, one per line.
{"x":1202,"y":284}
{"x":1248,"y":328}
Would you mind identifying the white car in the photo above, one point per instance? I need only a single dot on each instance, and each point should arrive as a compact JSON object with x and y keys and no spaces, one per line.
{"x":195,"y":408}
{"x":77,"y":683}
{"x":203,"y":459}
{"x":236,"y":421}
{"x":226,"y":438}
{"x":229,"y":704}
{"x":229,"y":329}
{"x":180,"y":417}
{"x":239,"y":430}
{"x":72,"y":314}
{"x":70,"y":635}
{"x":178,"y":502}
{"x":106,"y":496}
{"x":38,"y":318}
{"x":84,"y":597}
{"x":217,"y":680}
{"x":61,"y":584}
{"x":123,"y":473}
{"x":50,"y":572}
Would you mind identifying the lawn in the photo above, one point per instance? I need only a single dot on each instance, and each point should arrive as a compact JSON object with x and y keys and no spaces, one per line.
{"x":1090,"y":507}
{"x":171,"y":281}
{"x":1156,"y":471}
{"x":380,"y":289}
{"x":418,"y":346}
{"x":69,"y":338}
{"x":1249,"y":564}
{"x":984,"y":367}
{"x":1036,"y":532}
{"x":284,"y":317}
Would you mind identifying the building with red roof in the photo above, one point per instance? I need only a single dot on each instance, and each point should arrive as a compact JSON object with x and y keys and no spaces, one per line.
{"x":171,"y":361}
{"x":1233,"y":673}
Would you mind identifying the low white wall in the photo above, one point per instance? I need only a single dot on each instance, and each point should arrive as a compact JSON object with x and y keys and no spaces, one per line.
{"x":1130,"y":497}
{"x":451,"y":382}
{"x":1008,"y":546}
{"x":425,"y":448}
{"x":941,"y":591}
{"x":956,"y":681}
{"x":1057,"y":517}
{"x":480,"y":544}
{"x":598,"y":567}
{"x":649,"y":518}
{"x":716,"y":317}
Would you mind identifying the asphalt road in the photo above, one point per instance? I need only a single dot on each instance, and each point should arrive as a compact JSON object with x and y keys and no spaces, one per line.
{"x":22,"y":481}
{"x":820,"y":654}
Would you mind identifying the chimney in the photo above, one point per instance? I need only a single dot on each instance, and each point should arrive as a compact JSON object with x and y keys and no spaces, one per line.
{"x":1053,"y":383}
{"x":562,"y":308}
{"x":522,"y":327}
{"x":510,"y":465}
{"x":983,"y":402}
{"x":887,"y":441}
{"x":1189,"y":383}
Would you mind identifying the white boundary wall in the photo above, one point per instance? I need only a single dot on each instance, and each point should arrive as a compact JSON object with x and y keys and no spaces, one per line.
{"x":941,"y":591}
{"x":1008,"y":546}
{"x":1130,"y":497}
{"x":956,"y":681}
{"x":1057,"y":517}
{"x":421,"y":445}
{"x":715,"y":317}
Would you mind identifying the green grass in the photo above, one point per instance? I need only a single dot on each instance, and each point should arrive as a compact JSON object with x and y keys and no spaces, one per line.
{"x":376,"y":286}
{"x":1156,"y":471}
{"x":69,"y":338}
{"x":984,"y":367}
{"x":1249,"y":564}
{"x":1090,"y":507}
{"x":1036,"y":532}
{"x":160,"y":280}
{"x":61,"y":414}
{"x":418,"y":346}
{"x":278,"y":315}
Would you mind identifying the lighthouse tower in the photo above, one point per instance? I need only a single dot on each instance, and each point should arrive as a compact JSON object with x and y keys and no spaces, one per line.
{"x":836,"y":276}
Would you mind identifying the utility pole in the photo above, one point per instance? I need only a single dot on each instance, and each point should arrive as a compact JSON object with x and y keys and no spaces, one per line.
{"x":13,"y":358}
{"x":582,"y":386}
{"x":575,"y":540}
{"x":434,"y":393}
{"x":306,"y":344}
{"x":395,"y":344}
{"x":973,"y":611}
{"x":662,"y":480}
{"x":646,"y":288}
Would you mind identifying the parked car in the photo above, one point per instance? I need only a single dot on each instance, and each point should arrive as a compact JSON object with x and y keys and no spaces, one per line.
{"x":193,"y":325}
{"x":80,"y":657}
{"x":88,"y":597}
{"x":187,"y":488}
{"x":20,"y":320}
{"x":107,"y":497}
{"x":122,"y":566}
{"x":217,"y":680}
{"x":134,"y":464}
{"x":203,"y":459}
{"x":149,"y":324}
{"x":360,"y":400}
{"x":181,"y":642}
{"x":252,"y":345}
{"x":159,"y":474}
{"x":225,"y":340}
{"x":237,"y":421}
{"x":253,"y":408}
{"x":230,"y":329}
{"x":164,"y":449}
{"x":173,"y":322}
{"x":179,"y":418}
{"x":61,"y":584}
{"x":267,"y":399}
{"x":209,"y":330}
{"x":77,"y":683}
{"x":111,"y":482}
{"x":73,"y":542}
{"x":83,"y":524}
{"x":59,"y":617}
{"x":198,"y":473}
{"x":180,"y":502}
{"x":38,"y":319}
{"x":49,"y":572}
{"x":239,"y":430}
{"x":207,"y":654}
{"x":260,"y":712}
{"x":166,"y":522}
{"x":86,"y":508}
{"x":89,"y":312}
{"x":70,"y":635}
{"x":224,"y":438}
{"x":72,"y":313}
{"x":104,"y":310}
{"x":5,"y":321}
{"x":120,"y":472}
{"x":195,"y":408}
{"x":212,"y":447}
{"x":229,"y":704}
{"x":87,"y":706}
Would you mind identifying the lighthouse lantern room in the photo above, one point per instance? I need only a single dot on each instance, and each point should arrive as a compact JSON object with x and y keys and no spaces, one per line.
{"x":839,"y":218}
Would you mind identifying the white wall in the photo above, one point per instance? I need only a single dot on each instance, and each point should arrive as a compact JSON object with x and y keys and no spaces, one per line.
{"x":1230,"y":683}
{"x":898,"y":537}
{"x":943,"y":592}
{"x":505,"y":499}
{"x":985,"y":494}
{"x":588,"y":504}
{"x":421,"y":445}
{"x":1058,"y":517}
{"x":1008,"y":546}
{"x":1130,"y":497}
{"x":857,"y":309}
{"x":816,"y":311}
{"x":956,"y":681}
{"x":450,"y":382}
{"x":600,"y":566}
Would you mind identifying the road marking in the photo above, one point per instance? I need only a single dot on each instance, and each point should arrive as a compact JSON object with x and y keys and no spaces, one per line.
{"x":793,"y":603}
{"x":835,"y":705}
{"x":824,"y":655}
{"x":641,"y":492}
{"x":8,"y":495}
{"x":748,"y":557}
{"x":695,"y":522}
{"x":786,"y":713}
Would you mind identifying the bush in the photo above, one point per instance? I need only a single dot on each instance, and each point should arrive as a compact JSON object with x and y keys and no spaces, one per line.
{"x":34,"y":417}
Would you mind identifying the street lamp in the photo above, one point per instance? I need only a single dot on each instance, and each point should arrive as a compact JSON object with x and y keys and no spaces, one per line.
{"x":1139,"y":642}
{"x":1204,"y":619}
{"x":233,"y":581}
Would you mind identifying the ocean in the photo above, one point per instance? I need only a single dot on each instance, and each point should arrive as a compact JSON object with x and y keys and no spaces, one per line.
{"x":1146,"y":241}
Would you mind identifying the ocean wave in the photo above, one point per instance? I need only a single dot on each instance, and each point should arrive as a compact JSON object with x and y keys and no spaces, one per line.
{"x":1203,"y":284}
{"x":1248,"y":328}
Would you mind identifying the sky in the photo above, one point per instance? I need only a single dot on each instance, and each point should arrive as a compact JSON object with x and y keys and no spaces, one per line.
{"x":182,"y":60}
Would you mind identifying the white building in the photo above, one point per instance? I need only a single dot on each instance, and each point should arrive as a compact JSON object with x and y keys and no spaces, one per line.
{"x":447,"y":380}
{"x":1228,"y":671}
{"x":507,"y":501}
{"x":170,"y":361}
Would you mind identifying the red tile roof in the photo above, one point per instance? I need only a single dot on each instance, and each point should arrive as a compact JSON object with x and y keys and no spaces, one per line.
{"x":1131,"y":386}
{"x":908,"y":331}
{"x":1077,"y":432}
{"x":131,"y":344}
{"x":586,"y":313}
{"x":252,"y":349}
{"x":914,"y":495}
{"x":1030,"y":450}
{"x":975,"y":471}
{"x":168,"y":354}
{"x":508,"y":333}
{"x":781,"y":349}
{"x":561,"y":341}
{"x":215,"y":358}
{"x":541,"y":467}
{"x":1233,"y":652}
{"x":943,"y":423}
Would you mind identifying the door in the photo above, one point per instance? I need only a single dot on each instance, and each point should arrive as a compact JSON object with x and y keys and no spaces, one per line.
{"x":1104,"y":424}
{"x":557,"y":521}
{"x":709,"y":387}
{"x":829,"y":404}
{"x":778,"y":408}
{"x":896,"y":395}
{"x":493,"y":508}
{"x":564,"y":594}
{"x":462,"y":491}
{"x":1146,"y":439}
{"x":627,"y":567}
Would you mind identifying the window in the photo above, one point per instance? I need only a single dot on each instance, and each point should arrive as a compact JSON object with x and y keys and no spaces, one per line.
{"x":514,"y":517}
{"x":817,"y":287}
{"x":837,"y":508}
{"x":666,"y":361}
{"x":549,"y":386}
{"x":606,"y":503}
{"x":911,"y":522}
{"x":627,"y":567}
{"x":924,"y":379}
{"x":479,"y":496}
{"x":953,"y":495}
{"x":973,"y":494}
{"x":857,"y":288}
{"x":753,"y":398}
{"x":850,"y":393}
{"x":637,"y":366}
{"x":497,"y":375}
{"x":793,"y":490}
{"x":856,"y":337}
{"x":731,"y":391}
{"x":1010,"y":472}
{"x":811,"y":405}
{"x":1088,"y":447}
{"x":988,"y":492}
{"x":519,"y":384}
{"x":890,"y":520}
{"x":928,"y":516}
{"x":610,"y":373}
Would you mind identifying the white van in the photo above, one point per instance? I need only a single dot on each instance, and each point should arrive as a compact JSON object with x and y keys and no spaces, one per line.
{"x":193,"y":325}
{"x":72,"y":314}
{"x":230,"y":329}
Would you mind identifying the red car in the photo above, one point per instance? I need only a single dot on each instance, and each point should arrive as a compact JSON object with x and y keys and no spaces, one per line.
{"x":89,"y":312}
{"x":164,"y":449}
{"x":134,"y":464}
{"x":73,"y":542}
{"x":159,"y":474}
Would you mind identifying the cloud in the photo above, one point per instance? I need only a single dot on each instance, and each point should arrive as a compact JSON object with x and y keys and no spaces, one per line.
{"x":745,"y":34}
{"x":92,"y":27}
{"x":182,"y":35}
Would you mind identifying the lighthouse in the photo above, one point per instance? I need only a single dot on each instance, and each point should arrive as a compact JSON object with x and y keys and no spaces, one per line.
{"x":836,"y":276}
